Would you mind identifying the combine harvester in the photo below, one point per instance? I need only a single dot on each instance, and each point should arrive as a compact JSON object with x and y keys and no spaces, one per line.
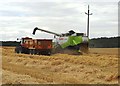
{"x":71,"y":42}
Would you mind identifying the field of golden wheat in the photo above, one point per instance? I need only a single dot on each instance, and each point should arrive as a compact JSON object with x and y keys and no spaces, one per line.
{"x":100,"y":66}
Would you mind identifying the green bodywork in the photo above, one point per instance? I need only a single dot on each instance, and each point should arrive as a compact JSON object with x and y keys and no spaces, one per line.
{"x":72,"y":41}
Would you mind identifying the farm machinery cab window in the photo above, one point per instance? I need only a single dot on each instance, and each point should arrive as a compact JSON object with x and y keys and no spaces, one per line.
{"x":22,"y":41}
{"x":26,"y":40}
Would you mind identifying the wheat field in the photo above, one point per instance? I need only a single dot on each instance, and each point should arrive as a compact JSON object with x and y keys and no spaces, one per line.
{"x":100,"y":66}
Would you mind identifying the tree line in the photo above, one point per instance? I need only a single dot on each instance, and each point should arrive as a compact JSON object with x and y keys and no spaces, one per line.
{"x":103,"y":42}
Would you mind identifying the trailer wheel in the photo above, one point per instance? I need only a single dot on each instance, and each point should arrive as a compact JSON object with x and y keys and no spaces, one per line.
{"x":32,"y":51}
{"x":49,"y":53}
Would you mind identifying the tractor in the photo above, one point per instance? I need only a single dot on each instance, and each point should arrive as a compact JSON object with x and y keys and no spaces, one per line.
{"x":34,"y":46}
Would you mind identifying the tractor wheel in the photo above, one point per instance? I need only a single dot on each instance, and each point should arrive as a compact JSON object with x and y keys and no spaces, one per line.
{"x":18,"y":49}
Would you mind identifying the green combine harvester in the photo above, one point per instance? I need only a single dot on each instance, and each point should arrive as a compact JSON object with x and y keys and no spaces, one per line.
{"x":70,"y":43}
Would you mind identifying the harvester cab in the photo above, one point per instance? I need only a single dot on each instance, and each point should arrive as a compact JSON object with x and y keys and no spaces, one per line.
{"x":71,"y":42}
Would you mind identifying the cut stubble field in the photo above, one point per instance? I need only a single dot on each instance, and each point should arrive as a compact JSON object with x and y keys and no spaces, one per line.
{"x":100,"y":66}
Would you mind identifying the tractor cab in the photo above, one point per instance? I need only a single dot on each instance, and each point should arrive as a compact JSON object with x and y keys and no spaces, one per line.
{"x":26,"y":42}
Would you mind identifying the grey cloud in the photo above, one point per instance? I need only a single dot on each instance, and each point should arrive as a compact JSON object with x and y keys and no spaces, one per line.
{"x":47,"y":9}
{"x":59,"y":17}
{"x":43,"y":9}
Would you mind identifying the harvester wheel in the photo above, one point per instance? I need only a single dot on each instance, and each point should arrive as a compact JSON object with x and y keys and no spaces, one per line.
{"x":84,"y":48}
{"x":58,"y":49}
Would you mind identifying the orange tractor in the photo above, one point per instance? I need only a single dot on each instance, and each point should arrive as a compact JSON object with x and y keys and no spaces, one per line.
{"x":34,"y":46}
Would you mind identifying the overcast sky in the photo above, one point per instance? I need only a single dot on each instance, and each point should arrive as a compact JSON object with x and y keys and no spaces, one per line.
{"x":19,"y":18}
